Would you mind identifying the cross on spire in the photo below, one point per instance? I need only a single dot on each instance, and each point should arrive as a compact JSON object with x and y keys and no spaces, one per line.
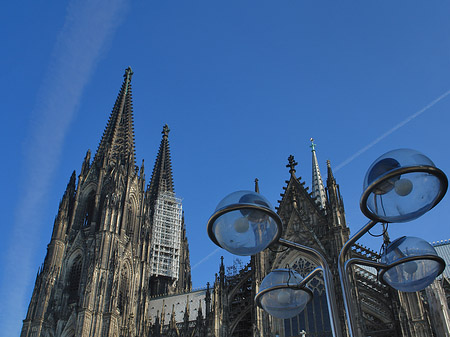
{"x":165,"y":130}
{"x":312,"y":146}
{"x":128,"y":73}
{"x":292,"y":164}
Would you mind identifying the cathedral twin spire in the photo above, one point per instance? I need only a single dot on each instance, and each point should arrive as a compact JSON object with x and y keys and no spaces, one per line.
{"x":117,"y":142}
{"x":162,"y":180}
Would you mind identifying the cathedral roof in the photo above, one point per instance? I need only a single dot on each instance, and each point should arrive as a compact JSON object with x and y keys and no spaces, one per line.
{"x":162,"y":180}
{"x":194,"y":300}
{"x":117,"y":142}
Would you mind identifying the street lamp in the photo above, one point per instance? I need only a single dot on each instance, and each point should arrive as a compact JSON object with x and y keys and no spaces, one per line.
{"x":413,"y":264}
{"x":283,"y":293}
{"x":399,"y":186}
{"x":245,"y":223}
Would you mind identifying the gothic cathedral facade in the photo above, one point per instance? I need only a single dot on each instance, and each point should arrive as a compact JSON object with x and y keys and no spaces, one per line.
{"x":117,"y":264}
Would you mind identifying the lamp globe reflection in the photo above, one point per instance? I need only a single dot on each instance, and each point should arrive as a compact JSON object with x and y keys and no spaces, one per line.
{"x":402,"y":185}
{"x":412,"y":264}
{"x":282,"y":294}
{"x":244,"y":223}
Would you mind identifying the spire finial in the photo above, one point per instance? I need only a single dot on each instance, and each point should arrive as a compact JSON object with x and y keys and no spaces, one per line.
{"x":292,"y":164}
{"x":312,"y":146}
{"x":165,"y":130}
{"x":256,"y":185}
{"x":128,"y":73}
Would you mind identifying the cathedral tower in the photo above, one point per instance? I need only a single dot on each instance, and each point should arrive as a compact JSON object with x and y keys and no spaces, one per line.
{"x":107,"y":248}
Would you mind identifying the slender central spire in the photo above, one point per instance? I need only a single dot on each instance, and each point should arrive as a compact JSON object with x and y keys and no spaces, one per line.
{"x":318,"y":189}
{"x":117,"y":142}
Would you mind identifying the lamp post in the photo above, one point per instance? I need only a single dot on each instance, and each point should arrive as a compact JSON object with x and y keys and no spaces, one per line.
{"x":399,"y":186}
{"x":245,"y":223}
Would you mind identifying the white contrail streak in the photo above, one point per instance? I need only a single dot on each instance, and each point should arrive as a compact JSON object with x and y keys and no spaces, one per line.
{"x":205,"y":258}
{"x":89,"y":26}
{"x":390,"y":131}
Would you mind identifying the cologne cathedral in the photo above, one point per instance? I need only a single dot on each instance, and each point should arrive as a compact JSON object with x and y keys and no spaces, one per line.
{"x":117,"y":264}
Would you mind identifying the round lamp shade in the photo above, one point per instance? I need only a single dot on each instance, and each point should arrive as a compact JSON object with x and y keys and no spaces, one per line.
{"x":280,"y":296}
{"x":402,"y":185}
{"x":413,"y":264}
{"x":244,"y":223}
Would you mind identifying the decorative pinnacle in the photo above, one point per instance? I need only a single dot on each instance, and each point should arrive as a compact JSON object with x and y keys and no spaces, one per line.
{"x":312,"y":146}
{"x":256,"y":185}
{"x":165,"y":130}
{"x":292,"y":164}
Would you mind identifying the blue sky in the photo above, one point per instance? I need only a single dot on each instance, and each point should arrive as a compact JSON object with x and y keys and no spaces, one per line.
{"x":241,"y":84}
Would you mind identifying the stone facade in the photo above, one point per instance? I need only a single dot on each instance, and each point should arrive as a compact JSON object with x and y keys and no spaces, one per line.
{"x":97,"y":277}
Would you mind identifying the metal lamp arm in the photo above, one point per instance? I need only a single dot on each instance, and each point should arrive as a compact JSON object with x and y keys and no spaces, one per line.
{"x":308,"y":278}
{"x":367,"y":227}
{"x":364,"y":262}
{"x":313,"y":254}
{"x":343,"y":275}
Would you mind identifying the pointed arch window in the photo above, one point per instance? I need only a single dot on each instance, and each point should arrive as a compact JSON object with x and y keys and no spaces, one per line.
{"x":74,"y":279}
{"x":89,"y":210}
{"x":130,"y":221}
{"x":123,"y":291}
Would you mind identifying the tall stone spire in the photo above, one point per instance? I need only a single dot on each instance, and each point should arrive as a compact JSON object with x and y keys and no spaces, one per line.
{"x":117,"y":142}
{"x":162,"y":180}
{"x":318,"y":189}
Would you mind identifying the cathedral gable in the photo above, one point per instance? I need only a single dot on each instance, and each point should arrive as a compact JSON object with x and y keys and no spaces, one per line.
{"x":303,"y":220}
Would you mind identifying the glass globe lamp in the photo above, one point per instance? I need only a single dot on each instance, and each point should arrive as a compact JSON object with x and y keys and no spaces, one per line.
{"x":280,"y":294}
{"x":244,"y":223}
{"x":402,"y":185}
{"x":413,"y":264}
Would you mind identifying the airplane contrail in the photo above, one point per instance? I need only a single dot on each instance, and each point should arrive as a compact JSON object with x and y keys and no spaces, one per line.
{"x":88,"y":27}
{"x":390,"y":131}
{"x":361,"y":151}
{"x":205,"y":258}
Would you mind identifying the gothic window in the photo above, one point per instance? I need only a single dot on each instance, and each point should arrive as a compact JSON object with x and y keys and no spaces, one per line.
{"x":89,"y":210}
{"x":314,"y":320}
{"x":130,"y":221}
{"x":123,"y":291}
{"x":74,"y":280}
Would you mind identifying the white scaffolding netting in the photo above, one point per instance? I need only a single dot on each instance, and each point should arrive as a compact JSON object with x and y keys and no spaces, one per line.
{"x":166,"y":236}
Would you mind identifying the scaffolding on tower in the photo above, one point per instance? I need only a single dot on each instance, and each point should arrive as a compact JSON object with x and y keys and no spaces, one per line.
{"x":166,"y":237}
